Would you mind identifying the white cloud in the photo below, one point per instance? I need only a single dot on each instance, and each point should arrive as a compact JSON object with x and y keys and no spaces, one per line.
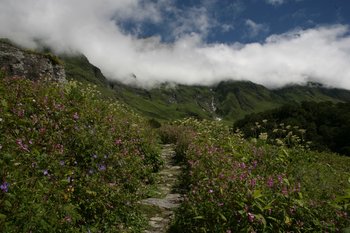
{"x":90,"y":27}
{"x":227,"y":27}
{"x":254,"y":29}
{"x":275,"y":2}
{"x":193,"y":20}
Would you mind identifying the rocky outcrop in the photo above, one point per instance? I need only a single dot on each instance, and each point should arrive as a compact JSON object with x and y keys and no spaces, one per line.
{"x":32,"y":65}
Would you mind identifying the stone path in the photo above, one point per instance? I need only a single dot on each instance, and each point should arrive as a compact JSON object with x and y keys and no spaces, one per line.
{"x":168,"y":199}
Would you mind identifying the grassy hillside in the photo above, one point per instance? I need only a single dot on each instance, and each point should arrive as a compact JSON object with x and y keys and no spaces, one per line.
{"x":227,"y":100}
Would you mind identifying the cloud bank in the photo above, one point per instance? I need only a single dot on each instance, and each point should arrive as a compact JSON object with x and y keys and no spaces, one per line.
{"x":93,"y":28}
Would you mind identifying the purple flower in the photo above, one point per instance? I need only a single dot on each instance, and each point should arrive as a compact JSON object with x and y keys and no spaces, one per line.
{"x":118,"y":141}
{"x":280,"y":179}
{"x":75,"y":116}
{"x":21,"y":145}
{"x":62,"y":163}
{"x":46,"y":172}
{"x":101,"y":167}
{"x":211,"y":191}
{"x":69,"y":179}
{"x":94,"y":156}
{"x":285,"y":191}
{"x":253,"y":182}
{"x":251,"y":217}
{"x":270,"y":182}
{"x":4,"y":187}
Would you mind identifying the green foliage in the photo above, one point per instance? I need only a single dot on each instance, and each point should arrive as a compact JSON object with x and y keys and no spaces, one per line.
{"x":154,"y":123}
{"x":2,"y":74}
{"x":70,"y":161}
{"x":326,"y":124}
{"x":238,"y":186}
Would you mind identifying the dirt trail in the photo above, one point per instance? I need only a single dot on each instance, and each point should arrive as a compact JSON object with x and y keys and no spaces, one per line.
{"x":169,"y":199}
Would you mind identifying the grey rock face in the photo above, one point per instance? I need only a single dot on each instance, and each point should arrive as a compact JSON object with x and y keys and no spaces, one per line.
{"x":18,"y":62}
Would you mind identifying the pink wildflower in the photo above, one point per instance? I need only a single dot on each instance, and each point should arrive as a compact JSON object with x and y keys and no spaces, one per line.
{"x":280,"y":179}
{"x":251,"y":217}
{"x":118,"y":142}
{"x":284,"y":191}
{"x":270,"y":182}
{"x":75,"y":116}
{"x":253,"y":182}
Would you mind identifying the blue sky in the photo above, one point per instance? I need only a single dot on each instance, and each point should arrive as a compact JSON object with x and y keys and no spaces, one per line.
{"x":247,"y":21}
{"x":269,"y":42}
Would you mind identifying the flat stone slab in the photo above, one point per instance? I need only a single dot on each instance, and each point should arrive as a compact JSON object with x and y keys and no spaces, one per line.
{"x":168,"y":177}
{"x":171,"y":201}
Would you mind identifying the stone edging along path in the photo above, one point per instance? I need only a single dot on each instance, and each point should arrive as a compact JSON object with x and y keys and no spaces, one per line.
{"x":169,"y":200}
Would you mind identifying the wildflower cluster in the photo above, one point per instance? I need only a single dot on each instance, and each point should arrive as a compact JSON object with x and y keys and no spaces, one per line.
{"x":70,"y":161}
{"x":237,"y":186}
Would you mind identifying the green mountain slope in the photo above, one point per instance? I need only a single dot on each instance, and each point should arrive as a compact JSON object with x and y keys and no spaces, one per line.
{"x":230,"y":100}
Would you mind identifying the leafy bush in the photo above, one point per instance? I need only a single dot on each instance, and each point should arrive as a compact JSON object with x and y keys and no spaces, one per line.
{"x":325,"y":124}
{"x":71,"y":162}
{"x":240,"y":186}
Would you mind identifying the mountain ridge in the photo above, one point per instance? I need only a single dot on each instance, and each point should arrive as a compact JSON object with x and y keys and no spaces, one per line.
{"x":227,"y":100}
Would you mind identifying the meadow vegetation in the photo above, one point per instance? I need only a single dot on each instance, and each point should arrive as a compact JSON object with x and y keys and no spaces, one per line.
{"x":325,"y":125}
{"x":70,"y":161}
{"x":235,"y":185}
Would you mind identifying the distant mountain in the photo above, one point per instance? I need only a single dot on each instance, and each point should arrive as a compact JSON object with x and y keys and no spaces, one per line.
{"x":229,"y":100}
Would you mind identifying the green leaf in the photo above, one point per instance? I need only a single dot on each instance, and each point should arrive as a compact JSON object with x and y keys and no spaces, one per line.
{"x":93,"y":193}
{"x":2,"y":216}
{"x":260,"y":217}
{"x":273,"y":219}
{"x":7,"y":204}
{"x":4,"y":103}
{"x":223,"y":217}
{"x":199,"y":217}
{"x":287,"y":220}
{"x":40,"y":184}
{"x":286,"y":181}
{"x":257,"y":194}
